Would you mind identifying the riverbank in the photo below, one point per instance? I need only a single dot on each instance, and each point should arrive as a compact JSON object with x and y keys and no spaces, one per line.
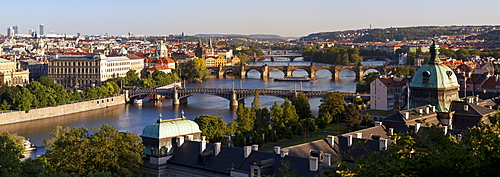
{"x":13,"y":116}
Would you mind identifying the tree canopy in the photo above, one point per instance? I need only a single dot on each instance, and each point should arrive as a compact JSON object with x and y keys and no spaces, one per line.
{"x":213,"y":127}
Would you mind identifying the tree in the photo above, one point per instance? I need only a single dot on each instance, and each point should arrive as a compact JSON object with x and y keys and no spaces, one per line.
{"x":82,"y":153}
{"x":245,"y":119}
{"x":302,"y":106}
{"x":146,"y":83}
{"x":352,"y":117}
{"x":213,"y":127}
{"x":333,"y":103}
{"x":131,"y":76}
{"x":11,"y":150}
{"x":195,"y":69}
{"x":364,"y":85}
{"x":367,"y":119}
{"x":430,"y":152}
{"x":256,"y":100}
{"x":404,"y":71}
{"x":323,"y":120}
{"x":23,"y":100}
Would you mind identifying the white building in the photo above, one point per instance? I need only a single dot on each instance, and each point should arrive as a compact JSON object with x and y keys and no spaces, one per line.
{"x":386,"y":93}
{"x":85,"y":70}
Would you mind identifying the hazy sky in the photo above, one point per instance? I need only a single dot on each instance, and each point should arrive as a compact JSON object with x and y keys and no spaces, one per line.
{"x":288,"y":18}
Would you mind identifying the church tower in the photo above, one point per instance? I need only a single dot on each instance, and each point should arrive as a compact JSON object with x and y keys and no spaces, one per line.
{"x":434,"y":83}
{"x":200,"y":50}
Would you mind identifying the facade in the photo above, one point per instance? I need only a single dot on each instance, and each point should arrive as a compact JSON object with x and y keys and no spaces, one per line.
{"x":387,"y":93}
{"x":86,"y":70}
{"x":41,"y":32}
{"x":11,"y":75}
{"x":434,"y":84}
{"x":37,"y":68}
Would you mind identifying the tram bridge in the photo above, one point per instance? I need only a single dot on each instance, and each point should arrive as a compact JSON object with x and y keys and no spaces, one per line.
{"x":235,"y":96}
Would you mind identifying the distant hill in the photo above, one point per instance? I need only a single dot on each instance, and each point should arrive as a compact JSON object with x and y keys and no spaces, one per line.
{"x":251,"y":36}
{"x":397,"y":33}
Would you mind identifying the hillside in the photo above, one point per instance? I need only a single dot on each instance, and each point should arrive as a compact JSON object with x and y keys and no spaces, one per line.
{"x":397,"y":33}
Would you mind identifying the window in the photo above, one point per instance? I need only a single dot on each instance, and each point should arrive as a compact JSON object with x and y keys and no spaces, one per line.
{"x":426,"y":75}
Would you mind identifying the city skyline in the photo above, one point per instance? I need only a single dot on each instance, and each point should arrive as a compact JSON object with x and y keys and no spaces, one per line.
{"x":292,"y":18}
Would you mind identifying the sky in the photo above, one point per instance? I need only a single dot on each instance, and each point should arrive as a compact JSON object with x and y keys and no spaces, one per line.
{"x":287,"y":18}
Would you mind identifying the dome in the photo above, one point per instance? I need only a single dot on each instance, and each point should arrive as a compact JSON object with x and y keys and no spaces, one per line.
{"x":434,"y":75}
{"x":170,"y":128}
{"x":161,"y":47}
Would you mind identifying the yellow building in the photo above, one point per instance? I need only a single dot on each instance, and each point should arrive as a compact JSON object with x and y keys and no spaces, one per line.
{"x":220,"y":61}
{"x":10,"y":75}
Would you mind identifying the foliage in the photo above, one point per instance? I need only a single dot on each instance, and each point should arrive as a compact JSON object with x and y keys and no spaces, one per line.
{"x":249,"y":51}
{"x":245,"y":119}
{"x":352,"y":117}
{"x":404,"y":71}
{"x":333,"y":55}
{"x":107,"y":150}
{"x":364,"y":85}
{"x":23,"y":100}
{"x":11,"y":150}
{"x":131,"y":77}
{"x":302,"y":106}
{"x":323,"y":120}
{"x":256,"y":100}
{"x":431,"y":153}
{"x":366,"y":120}
{"x":162,"y":78}
{"x":213,"y":127}
{"x":195,"y":69}
{"x":333,"y":103}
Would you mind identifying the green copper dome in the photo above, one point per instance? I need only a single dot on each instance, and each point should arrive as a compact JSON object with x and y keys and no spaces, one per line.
{"x":434,"y":84}
{"x":170,"y":128}
{"x":434,"y":74}
{"x":161,"y":47}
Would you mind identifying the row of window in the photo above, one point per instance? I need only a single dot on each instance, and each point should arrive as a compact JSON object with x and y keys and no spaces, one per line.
{"x":74,"y":63}
{"x":74,"y":70}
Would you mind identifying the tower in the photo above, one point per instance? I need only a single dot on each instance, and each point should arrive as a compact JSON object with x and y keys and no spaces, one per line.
{"x":200,"y":50}
{"x":16,"y":29}
{"x":41,"y":32}
{"x":10,"y":32}
{"x":434,"y":83}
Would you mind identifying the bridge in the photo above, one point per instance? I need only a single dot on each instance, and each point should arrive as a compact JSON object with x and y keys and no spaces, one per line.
{"x":234,"y":96}
{"x":291,"y":56}
{"x":288,"y":70}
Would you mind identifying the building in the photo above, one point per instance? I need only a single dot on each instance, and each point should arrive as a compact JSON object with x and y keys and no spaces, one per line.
{"x":87,"y":70}
{"x":41,"y":31}
{"x":37,"y":68}
{"x":434,"y":84}
{"x":11,"y":75}
{"x":387,"y":93}
{"x":175,"y":147}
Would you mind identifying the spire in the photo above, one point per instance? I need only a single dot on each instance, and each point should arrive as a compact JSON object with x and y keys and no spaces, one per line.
{"x":159,"y":118}
{"x":434,"y":54}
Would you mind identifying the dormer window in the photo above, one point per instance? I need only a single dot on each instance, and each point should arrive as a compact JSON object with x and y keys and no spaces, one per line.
{"x":426,"y":75}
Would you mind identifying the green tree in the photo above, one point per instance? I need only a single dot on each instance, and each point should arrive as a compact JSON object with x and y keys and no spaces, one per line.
{"x":146,"y":83}
{"x":302,"y":106}
{"x":367,"y":119}
{"x":245,"y":119}
{"x":352,"y":117}
{"x":80,"y":152}
{"x":131,"y":76}
{"x":404,"y":71}
{"x":195,"y":69}
{"x":23,"y":100}
{"x":11,"y":150}
{"x":333,"y":103}
{"x":213,"y":127}
{"x":256,"y":100}
{"x":364,"y":85}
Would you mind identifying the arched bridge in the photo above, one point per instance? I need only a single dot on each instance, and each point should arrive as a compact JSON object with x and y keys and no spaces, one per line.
{"x":311,"y":69}
{"x":233,"y":95}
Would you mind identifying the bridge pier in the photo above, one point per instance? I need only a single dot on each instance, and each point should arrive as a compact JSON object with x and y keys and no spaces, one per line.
{"x":243,"y":72}
{"x":221,"y":73}
{"x":233,"y":102}
{"x":265,"y":72}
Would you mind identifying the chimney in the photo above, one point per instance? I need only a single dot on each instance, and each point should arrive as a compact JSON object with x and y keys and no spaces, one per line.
{"x":497,"y":77}
{"x":255,"y":147}
{"x":407,"y":115}
{"x":466,"y":107}
{"x":427,"y":109}
{"x":459,"y":137}
{"x":379,"y":124}
{"x":433,"y":108}
{"x":330,"y":140}
{"x":246,"y":151}
{"x":417,"y":127}
{"x":283,"y":153}
{"x":420,"y":111}
{"x":327,"y":159}
{"x":391,"y":131}
{"x":359,"y":135}
{"x":349,"y":140}
{"x":189,"y":137}
{"x":277,"y":149}
{"x":313,"y":164}
{"x":203,"y":144}
{"x":445,"y":130}
{"x":382,"y":143}
{"x":180,"y":141}
{"x":477,"y":99}
{"x":217,"y":148}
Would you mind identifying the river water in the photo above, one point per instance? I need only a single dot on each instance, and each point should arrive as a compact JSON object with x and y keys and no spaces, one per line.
{"x":133,"y":118}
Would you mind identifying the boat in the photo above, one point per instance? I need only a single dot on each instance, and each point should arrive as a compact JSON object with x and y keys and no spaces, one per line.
{"x":28,"y":146}
{"x":141,"y":100}
{"x":296,"y":79}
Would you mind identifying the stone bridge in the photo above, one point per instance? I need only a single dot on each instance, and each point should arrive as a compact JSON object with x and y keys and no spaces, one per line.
{"x":311,"y":69}
{"x":235,"y":96}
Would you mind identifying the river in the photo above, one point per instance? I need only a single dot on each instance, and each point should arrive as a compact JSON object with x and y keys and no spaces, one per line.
{"x":133,"y":118}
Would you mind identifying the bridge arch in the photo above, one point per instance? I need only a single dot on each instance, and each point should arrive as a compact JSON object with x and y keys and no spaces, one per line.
{"x":253,"y":70}
{"x":322,"y":71}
